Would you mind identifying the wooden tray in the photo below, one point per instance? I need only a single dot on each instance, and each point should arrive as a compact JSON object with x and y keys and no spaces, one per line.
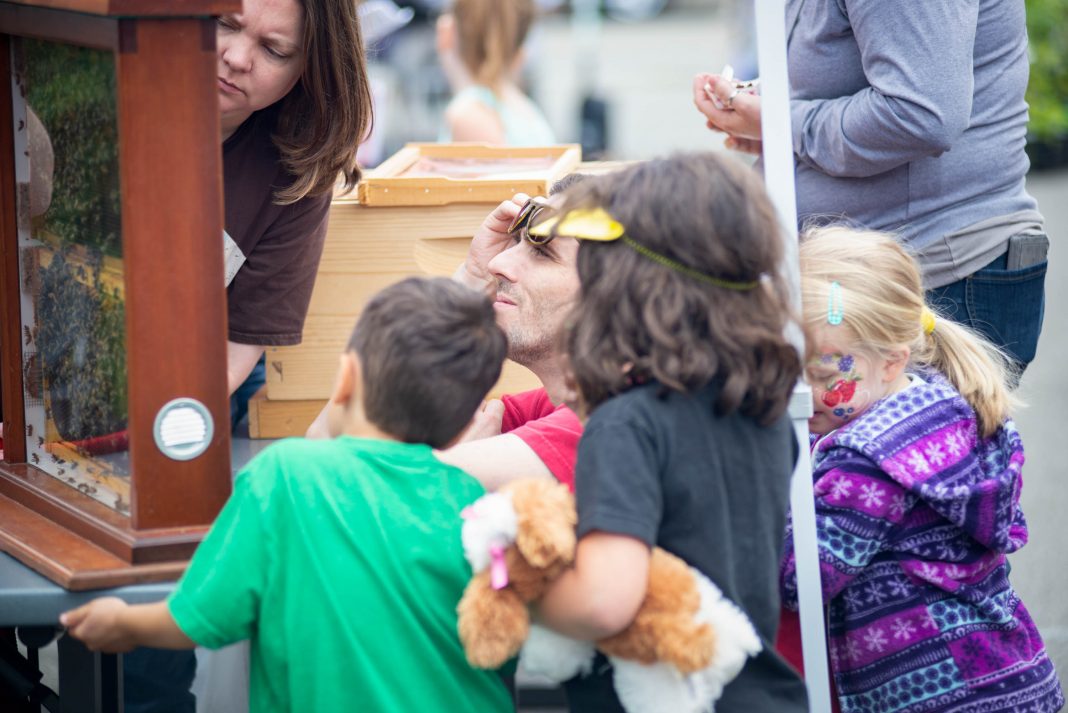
{"x":439,"y":174}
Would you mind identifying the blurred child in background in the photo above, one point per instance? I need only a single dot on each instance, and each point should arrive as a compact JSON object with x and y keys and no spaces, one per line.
{"x":480,"y":44}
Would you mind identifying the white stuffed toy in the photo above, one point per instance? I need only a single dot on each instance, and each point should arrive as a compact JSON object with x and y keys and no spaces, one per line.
{"x":686,"y":643}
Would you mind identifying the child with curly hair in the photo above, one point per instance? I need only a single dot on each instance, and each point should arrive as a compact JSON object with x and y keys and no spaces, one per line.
{"x":679,"y":357}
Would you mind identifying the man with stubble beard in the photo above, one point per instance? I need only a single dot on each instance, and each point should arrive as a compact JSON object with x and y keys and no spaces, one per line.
{"x":533,"y":433}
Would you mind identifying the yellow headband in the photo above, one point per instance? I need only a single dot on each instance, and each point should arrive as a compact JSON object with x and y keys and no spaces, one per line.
{"x":585,"y":224}
{"x":598,"y":225}
{"x":927,"y":319}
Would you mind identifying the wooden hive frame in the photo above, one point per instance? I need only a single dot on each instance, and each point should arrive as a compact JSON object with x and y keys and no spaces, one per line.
{"x":171,"y":255}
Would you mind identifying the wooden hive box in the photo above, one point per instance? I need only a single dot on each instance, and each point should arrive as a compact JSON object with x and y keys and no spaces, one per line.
{"x":373,"y":240}
{"x":113,"y":466}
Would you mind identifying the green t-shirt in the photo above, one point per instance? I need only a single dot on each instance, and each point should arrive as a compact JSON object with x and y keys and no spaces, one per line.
{"x":342,"y":562}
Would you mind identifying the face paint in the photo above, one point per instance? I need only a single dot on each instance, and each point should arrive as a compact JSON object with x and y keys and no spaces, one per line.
{"x":842,"y":388}
{"x":837,"y":381}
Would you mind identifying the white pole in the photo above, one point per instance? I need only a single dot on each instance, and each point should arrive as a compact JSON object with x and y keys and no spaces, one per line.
{"x":779,"y":177}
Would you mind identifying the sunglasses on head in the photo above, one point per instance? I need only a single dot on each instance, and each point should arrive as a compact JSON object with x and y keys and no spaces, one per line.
{"x":598,"y":225}
{"x":581,"y":224}
{"x":526,"y":215}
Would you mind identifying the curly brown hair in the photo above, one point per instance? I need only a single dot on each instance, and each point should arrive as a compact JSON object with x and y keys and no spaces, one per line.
{"x":638,"y":320}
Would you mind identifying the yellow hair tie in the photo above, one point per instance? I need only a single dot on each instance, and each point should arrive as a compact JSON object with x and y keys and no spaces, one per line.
{"x":927,"y":319}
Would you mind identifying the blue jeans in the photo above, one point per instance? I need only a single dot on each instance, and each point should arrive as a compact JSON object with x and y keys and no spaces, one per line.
{"x":158,"y":681}
{"x":1005,"y":306}
{"x":239,"y":399}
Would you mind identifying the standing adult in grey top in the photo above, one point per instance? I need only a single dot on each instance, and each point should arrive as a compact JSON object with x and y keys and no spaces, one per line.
{"x":909,"y":116}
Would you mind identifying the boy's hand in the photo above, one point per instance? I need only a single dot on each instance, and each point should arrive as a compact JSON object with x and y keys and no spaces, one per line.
{"x":99,"y":625}
{"x":491,"y":238}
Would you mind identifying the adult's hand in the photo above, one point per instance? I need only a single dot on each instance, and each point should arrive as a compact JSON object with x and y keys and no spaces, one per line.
{"x":735,"y":113}
{"x":486,"y":422}
{"x":490,"y":239}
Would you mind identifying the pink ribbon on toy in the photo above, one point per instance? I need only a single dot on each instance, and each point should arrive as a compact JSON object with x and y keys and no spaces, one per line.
{"x":498,"y":567}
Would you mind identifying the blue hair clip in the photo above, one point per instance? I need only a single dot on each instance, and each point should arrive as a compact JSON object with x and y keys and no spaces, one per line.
{"x":834,"y":305}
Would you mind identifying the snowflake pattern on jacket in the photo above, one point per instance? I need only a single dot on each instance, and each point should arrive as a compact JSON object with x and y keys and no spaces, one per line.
{"x":915,"y":516}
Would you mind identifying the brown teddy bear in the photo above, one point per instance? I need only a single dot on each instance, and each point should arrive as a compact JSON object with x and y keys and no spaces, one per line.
{"x":685,"y":643}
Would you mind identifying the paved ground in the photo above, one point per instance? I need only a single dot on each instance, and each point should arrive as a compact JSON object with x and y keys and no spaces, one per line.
{"x":1041,"y":569}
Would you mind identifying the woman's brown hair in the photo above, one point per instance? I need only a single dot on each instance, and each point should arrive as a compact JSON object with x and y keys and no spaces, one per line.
{"x":325,"y":116}
{"x":638,"y":319}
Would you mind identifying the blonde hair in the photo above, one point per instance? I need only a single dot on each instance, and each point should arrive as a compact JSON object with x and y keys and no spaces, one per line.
{"x":490,"y":34}
{"x":881,"y":302}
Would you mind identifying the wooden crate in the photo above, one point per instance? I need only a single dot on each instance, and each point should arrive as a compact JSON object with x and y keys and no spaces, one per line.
{"x":280,"y":419}
{"x":367,"y":249}
{"x":272,"y":418}
{"x":440,"y":174}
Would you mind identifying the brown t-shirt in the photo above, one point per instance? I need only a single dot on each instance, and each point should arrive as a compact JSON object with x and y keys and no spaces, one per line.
{"x":268,"y":297}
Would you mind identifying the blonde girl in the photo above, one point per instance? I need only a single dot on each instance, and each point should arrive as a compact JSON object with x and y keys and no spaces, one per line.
{"x":917,"y":478}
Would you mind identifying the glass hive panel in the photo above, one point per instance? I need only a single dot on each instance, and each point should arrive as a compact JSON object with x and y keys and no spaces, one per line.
{"x":71,"y":267}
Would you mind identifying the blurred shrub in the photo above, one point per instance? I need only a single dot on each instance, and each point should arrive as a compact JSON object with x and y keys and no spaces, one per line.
{"x":72,"y":91}
{"x":1047,"y":90}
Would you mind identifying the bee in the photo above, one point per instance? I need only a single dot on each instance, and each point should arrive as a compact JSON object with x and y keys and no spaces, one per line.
{"x":55,"y":458}
{"x":35,"y":458}
{"x":40,"y":441}
{"x":120,"y":504}
{"x":74,"y":466}
{"x":27,"y":334}
{"x":61,"y":472}
{"x":29,"y":430}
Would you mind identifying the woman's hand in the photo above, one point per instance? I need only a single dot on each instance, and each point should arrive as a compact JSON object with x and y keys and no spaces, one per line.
{"x":730,"y":110}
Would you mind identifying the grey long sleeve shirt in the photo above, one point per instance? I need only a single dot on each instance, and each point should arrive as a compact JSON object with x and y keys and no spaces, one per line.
{"x":909,"y":116}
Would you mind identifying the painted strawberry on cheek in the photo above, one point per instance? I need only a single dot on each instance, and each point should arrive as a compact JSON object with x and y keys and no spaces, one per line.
{"x":840,"y":393}
{"x":847,"y":389}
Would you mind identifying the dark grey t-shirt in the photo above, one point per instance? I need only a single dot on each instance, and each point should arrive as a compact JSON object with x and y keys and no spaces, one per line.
{"x":659,"y":466}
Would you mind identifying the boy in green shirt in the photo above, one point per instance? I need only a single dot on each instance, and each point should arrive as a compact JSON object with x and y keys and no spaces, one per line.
{"x":342,"y":560}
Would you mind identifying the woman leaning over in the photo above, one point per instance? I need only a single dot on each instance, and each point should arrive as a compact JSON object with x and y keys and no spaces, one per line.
{"x":294,"y":104}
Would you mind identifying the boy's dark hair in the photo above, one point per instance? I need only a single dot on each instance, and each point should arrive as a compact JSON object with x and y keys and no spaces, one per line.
{"x":638,"y":320}
{"x":429,"y":349}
